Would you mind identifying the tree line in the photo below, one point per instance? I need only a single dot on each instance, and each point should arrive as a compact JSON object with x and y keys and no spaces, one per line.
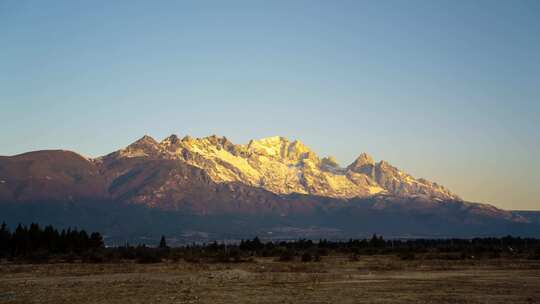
{"x":27,"y":241}
{"x":34,"y":243}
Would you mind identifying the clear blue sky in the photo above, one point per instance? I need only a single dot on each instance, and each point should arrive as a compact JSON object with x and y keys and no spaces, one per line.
{"x":446,"y":90}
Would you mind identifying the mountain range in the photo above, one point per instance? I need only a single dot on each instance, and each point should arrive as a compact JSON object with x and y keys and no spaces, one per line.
{"x":212,"y":188}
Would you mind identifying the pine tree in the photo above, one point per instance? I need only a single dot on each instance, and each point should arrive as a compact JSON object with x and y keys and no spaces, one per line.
{"x":163,"y":243}
{"x":257,"y":244}
{"x":5,"y":237}
{"x":96,"y":240}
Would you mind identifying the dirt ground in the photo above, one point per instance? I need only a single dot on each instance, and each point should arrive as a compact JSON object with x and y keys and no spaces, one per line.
{"x":372,"y":279}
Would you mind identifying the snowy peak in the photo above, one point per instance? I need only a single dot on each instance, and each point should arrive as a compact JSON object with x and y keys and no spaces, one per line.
{"x":281,"y":148}
{"x":282,"y":166}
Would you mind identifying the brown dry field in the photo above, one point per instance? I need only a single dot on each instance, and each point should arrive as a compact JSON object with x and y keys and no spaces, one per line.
{"x":372,"y":279}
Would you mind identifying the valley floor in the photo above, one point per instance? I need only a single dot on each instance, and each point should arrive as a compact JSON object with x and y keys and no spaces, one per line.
{"x":371,"y":279}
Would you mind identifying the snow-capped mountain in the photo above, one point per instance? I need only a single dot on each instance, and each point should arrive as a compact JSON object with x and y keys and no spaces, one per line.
{"x":152,"y":186}
{"x":282,"y":166}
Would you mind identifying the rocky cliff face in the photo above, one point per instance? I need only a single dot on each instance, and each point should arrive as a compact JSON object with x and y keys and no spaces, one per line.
{"x":282,"y":166}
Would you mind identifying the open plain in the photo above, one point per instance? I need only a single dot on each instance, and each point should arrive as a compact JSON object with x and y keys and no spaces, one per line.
{"x":335,"y":279}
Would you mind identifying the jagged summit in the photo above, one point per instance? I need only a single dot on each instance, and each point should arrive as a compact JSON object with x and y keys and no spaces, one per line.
{"x":362,"y":160}
{"x":282,"y":166}
{"x":171,"y":140}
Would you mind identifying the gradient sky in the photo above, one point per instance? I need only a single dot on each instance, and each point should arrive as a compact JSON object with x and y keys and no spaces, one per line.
{"x":446,"y":90}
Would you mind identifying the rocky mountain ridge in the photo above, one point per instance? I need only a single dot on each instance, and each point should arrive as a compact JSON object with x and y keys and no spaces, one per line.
{"x":282,"y":166}
{"x":264,"y":185}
